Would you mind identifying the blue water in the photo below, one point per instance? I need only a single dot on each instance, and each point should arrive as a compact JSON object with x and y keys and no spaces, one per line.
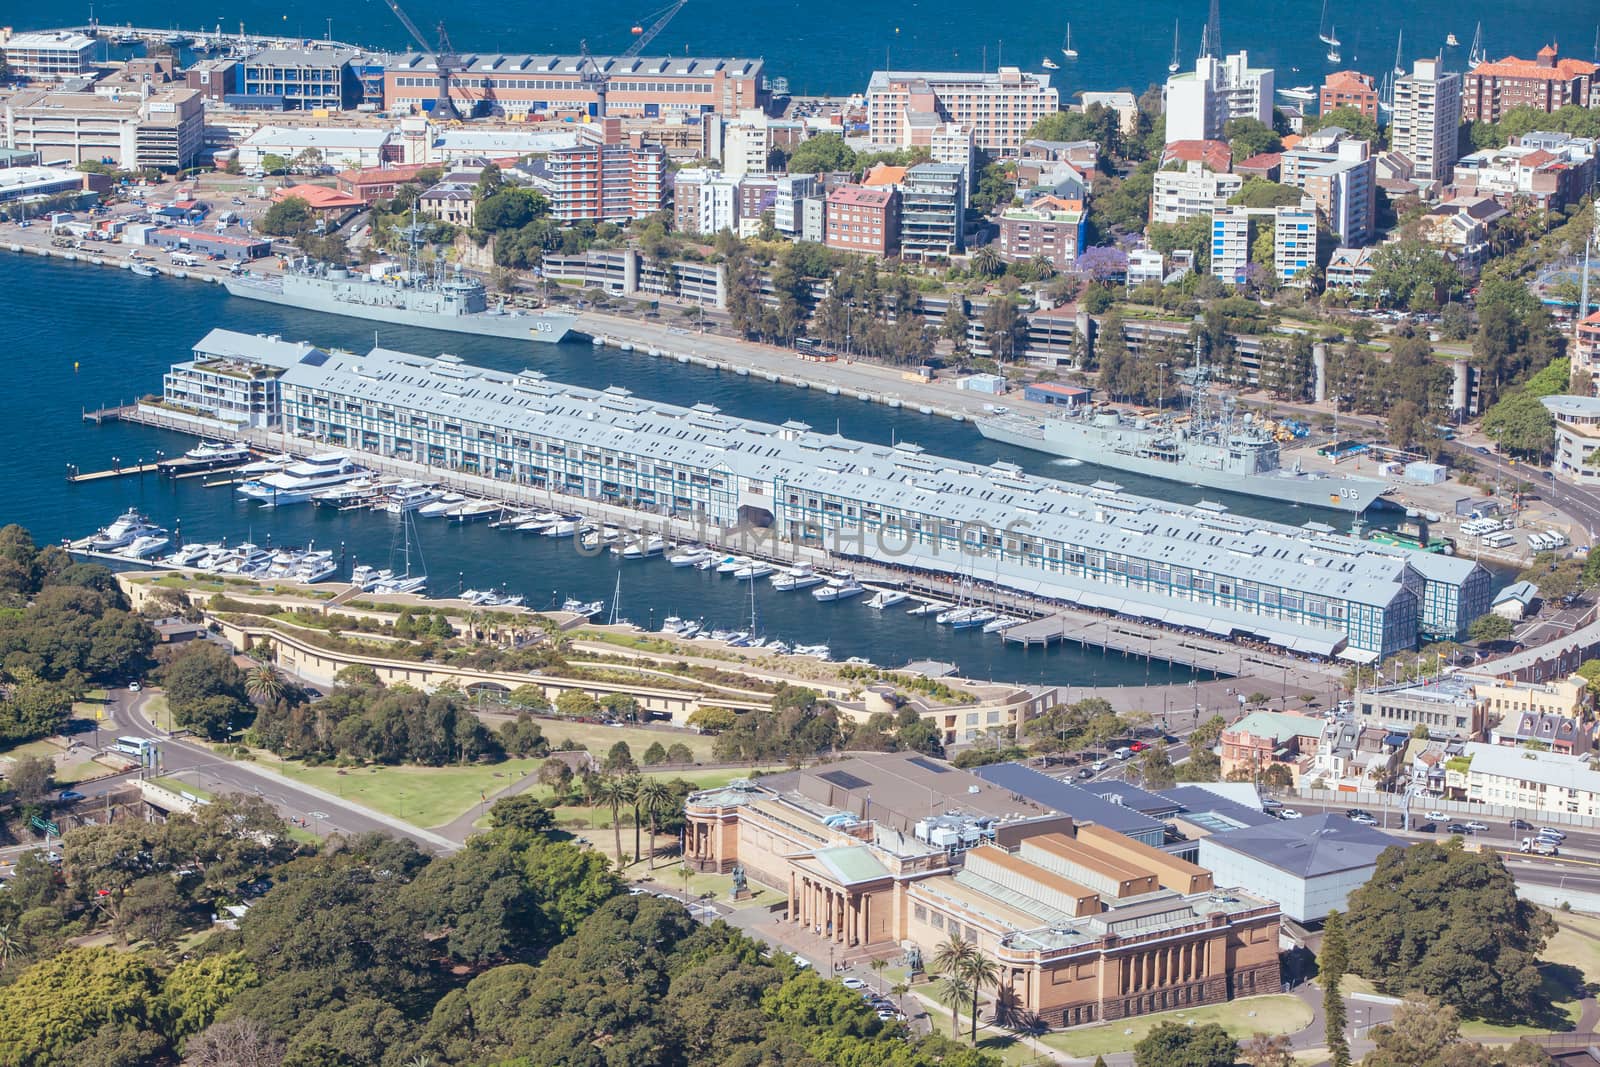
{"x":823,"y":48}
{"x":83,"y":337}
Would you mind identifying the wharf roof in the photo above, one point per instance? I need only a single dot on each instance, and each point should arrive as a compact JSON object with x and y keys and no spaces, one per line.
{"x":317,"y":137}
{"x":901,"y":478}
{"x":617,"y":66}
{"x":1310,"y":847}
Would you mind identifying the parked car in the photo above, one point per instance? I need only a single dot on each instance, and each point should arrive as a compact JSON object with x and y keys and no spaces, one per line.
{"x":1288,"y":813}
{"x":1099,"y":765}
{"x":1138,"y":746}
{"x":1552,"y":834}
{"x":1521,"y":824}
{"x":1086,"y":772}
{"x":1353,"y":813}
{"x":854,"y":983}
{"x":1477,"y":827}
{"x":68,"y":796}
{"x":1436,"y":816}
{"x":1457,"y":828}
{"x":1364,"y":819}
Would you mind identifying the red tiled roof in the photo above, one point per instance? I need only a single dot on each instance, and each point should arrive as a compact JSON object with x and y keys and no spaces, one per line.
{"x":884,"y":174}
{"x":1262,"y":161}
{"x":319,"y":197}
{"x":1537,"y":158}
{"x":1512,"y":67}
{"x":861,"y":196}
{"x":1349,"y":81}
{"x":1214,"y":154}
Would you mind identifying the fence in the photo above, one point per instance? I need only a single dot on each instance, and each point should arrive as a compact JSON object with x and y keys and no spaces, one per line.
{"x":1450,"y":808}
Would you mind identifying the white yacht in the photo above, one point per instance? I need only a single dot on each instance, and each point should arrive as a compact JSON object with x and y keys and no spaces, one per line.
{"x":841,"y":586}
{"x":443,"y":506}
{"x":887,"y":598}
{"x":473,"y":511}
{"x":268,"y":465}
{"x":688,"y":557}
{"x":587,"y":608}
{"x":152,"y":542}
{"x":409,"y":496}
{"x":208,"y":455}
{"x":128,"y":526}
{"x":653,"y":545}
{"x":753,"y":570}
{"x":314,"y":567}
{"x":300,"y":481}
{"x":189,"y":555}
{"x":819,"y":651}
{"x":796,"y":577}
{"x":566,"y":526}
{"x":1002,"y":623}
{"x":730,"y":564}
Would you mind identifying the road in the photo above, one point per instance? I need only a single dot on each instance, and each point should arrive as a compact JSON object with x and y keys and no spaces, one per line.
{"x":322,"y":812}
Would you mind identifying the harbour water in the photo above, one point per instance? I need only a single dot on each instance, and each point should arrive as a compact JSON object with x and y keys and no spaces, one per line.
{"x":824,"y":48}
{"x":104,"y":337}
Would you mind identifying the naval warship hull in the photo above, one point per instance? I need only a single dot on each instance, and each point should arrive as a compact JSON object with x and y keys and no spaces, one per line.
{"x":393,"y":307}
{"x":1312,"y":489}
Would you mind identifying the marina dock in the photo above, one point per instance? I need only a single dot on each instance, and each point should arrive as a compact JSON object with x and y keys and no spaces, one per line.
{"x":73,"y":474}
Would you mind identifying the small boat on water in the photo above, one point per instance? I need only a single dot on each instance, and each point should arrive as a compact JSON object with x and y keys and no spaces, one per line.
{"x":887,"y":598}
{"x":1066,"y":48}
{"x":1049,"y":64}
{"x":643,"y":548}
{"x":730,"y":564}
{"x":587,"y":608}
{"x":1001,"y":624}
{"x":688,"y":557}
{"x":1450,"y":41}
{"x":928,"y":607}
{"x":841,"y":586}
{"x":797,"y":577}
{"x":144,"y":270}
{"x":1299,"y":92}
{"x":150,"y":543}
{"x":440,"y":507}
{"x":752,"y":570}
{"x":128,"y":527}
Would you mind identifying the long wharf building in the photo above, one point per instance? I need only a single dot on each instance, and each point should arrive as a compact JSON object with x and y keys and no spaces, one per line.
{"x":1304,"y":589}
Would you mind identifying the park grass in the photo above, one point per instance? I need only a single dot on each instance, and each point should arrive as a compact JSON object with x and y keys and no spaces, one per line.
{"x":1576,"y":944}
{"x":1354,"y":983}
{"x":720,"y":886}
{"x":598,"y":739}
{"x":178,"y":785}
{"x":1008,"y":1047}
{"x":1278,"y":1013}
{"x":422,"y":796}
{"x":156,"y":710}
{"x":42,"y":747}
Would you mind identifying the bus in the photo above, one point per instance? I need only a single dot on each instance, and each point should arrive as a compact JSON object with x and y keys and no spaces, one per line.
{"x":133,"y":746}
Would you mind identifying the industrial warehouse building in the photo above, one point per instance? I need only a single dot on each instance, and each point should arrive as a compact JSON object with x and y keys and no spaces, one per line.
{"x":1300,"y":588}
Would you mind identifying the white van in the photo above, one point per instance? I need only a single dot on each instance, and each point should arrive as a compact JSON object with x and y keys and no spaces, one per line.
{"x":1123,"y":753}
{"x":1498,"y":540}
{"x":1540,"y":846}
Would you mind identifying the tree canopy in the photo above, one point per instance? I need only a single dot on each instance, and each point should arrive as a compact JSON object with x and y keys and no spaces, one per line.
{"x":1448,"y":922}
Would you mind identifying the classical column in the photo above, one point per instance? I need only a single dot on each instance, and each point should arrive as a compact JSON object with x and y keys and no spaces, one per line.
{"x":840,"y":928}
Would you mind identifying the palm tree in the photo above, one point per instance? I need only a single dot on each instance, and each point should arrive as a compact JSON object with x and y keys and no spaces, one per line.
{"x":1042,"y":267}
{"x":986,"y":262}
{"x":951,"y":961}
{"x":263,"y":683}
{"x":10,"y":945}
{"x":899,"y":991}
{"x":656,"y":797}
{"x":615,"y":791}
{"x":952,"y":993}
{"x":979,"y":972}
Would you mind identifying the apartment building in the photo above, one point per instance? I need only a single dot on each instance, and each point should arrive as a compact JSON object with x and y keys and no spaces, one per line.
{"x":1349,"y":89}
{"x":860,"y":219}
{"x":1545,"y":83}
{"x":1577,"y":421}
{"x":999,"y":108}
{"x":1553,"y":783}
{"x":49,"y":56}
{"x":788,"y":211}
{"x":1345,"y":189}
{"x":299,"y":79}
{"x":163,"y":129}
{"x":1586,"y":347}
{"x":1230,"y":244}
{"x":1195,"y":190}
{"x":1294,"y":244}
{"x":1425,"y":126}
{"x":607,"y":175}
{"x":1047,"y":226}
{"x":1200,"y":103}
{"x":520,"y":86}
{"x":933,"y":210}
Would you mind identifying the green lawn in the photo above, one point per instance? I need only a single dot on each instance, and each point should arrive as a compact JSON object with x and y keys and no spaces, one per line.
{"x":40,"y":747}
{"x":422,"y":796}
{"x":1012,"y":1050}
{"x":1276,"y":1014}
{"x":155,"y":709}
{"x":1576,"y":944}
{"x":178,"y":785}
{"x":720,"y":886}
{"x":599,"y":739}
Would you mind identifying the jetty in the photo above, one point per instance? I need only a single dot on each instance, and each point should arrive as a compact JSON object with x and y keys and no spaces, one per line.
{"x":75,"y":476}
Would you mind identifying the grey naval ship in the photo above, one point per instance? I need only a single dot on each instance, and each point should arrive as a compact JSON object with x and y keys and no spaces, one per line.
{"x":439,"y":301}
{"x":1209,"y":446}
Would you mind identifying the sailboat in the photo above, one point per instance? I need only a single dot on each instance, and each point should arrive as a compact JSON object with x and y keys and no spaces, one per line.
{"x":1333,"y":48}
{"x":1172,"y":68}
{"x":1476,"y":54}
{"x":1066,"y":48}
{"x":1327,"y":37}
{"x":616,"y":604}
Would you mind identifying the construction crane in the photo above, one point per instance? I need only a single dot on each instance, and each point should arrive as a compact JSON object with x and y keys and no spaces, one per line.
{"x":592,"y":77}
{"x":445,"y":59}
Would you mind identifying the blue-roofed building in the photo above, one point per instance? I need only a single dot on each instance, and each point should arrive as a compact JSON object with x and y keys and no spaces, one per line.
{"x":1075,"y":800}
{"x":1309,"y":866}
